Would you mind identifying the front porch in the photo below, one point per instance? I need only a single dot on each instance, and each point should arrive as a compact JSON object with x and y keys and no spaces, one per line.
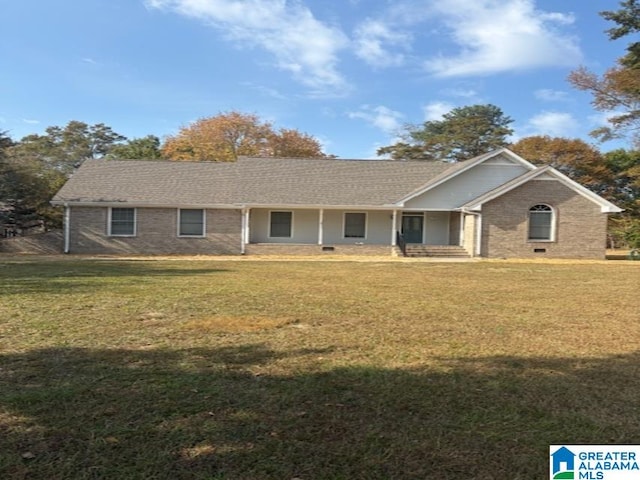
{"x":357,"y":232}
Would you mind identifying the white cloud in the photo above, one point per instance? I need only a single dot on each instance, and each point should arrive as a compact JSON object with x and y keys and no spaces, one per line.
{"x":510,"y":35}
{"x":300,"y":43}
{"x":461,"y":92}
{"x":30,"y":121}
{"x":387,"y":120}
{"x":549,"y":95}
{"x":435,"y":110}
{"x":554,"y":124}
{"x":374,"y":40}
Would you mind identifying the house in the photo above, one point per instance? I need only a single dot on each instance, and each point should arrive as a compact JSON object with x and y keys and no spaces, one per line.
{"x":563,"y":463}
{"x":494,"y":205}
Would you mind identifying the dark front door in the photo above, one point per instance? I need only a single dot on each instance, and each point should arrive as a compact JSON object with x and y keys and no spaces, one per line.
{"x":412,"y":227}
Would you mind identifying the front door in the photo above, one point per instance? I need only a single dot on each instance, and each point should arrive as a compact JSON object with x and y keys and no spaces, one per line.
{"x":412,"y":228}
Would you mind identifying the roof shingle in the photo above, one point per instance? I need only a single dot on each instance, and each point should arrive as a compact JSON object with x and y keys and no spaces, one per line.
{"x":250,"y":181}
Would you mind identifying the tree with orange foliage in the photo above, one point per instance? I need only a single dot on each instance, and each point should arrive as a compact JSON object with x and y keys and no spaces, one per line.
{"x":575,"y":158}
{"x":228,"y":135}
{"x":618,"y":91}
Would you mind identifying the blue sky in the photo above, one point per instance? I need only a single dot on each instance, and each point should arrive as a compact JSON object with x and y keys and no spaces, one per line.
{"x":349,"y":72}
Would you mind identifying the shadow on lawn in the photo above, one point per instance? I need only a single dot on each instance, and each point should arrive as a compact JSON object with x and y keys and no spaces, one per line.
{"x":204,"y":413}
{"x":62,"y":276}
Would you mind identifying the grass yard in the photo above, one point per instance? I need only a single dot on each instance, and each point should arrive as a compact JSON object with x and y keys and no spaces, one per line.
{"x":305,"y":370}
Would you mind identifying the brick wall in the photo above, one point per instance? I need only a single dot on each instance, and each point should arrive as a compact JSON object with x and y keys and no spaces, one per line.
{"x":469,"y":235}
{"x":580,"y":225}
{"x":156,"y":233}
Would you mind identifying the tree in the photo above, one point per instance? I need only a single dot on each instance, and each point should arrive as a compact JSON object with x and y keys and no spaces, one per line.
{"x":463,"y":133}
{"x":37,"y":166}
{"x":291,"y":143}
{"x":628,"y":20}
{"x":228,"y":135}
{"x":574,"y":157}
{"x":145,"y":148}
{"x":625,"y":165}
{"x":618,"y":91}
{"x":63,"y":148}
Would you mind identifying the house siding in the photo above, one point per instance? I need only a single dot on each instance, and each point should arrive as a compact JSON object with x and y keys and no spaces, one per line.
{"x":305,"y":227}
{"x":454,"y":228}
{"x":580,"y":224}
{"x":156,"y":233}
{"x":466,"y":186}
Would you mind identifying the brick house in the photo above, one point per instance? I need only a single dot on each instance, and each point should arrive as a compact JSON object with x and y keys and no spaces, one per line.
{"x":494,"y":205}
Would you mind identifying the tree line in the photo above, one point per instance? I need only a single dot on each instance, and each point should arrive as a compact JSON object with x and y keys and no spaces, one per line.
{"x":35,"y":167}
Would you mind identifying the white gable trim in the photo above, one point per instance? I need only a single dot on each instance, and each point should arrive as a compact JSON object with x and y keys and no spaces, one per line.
{"x":517,"y":159}
{"x":544,"y":173}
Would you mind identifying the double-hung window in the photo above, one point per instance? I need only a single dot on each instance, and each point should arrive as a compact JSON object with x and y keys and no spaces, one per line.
{"x":122,"y":222}
{"x":541,"y":228}
{"x":191,"y":222}
{"x":280,"y":224}
{"x":355,"y":225}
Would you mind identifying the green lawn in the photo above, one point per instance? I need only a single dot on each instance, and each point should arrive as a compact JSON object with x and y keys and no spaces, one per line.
{"x":312,"y":370}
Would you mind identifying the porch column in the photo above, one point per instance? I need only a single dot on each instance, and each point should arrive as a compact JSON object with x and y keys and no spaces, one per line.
{"x":394,"y":227}
{"x":244,"y":233}
{"x":67,"y":228}
{"x":320,"y":227}
{"x":247,"y":227}
{"x":461,"y":239}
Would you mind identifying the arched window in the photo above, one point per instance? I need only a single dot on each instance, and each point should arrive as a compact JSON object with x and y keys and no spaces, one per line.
{"x":541,"y":223}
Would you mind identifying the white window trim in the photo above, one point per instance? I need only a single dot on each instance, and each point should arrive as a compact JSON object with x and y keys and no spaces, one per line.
{"x":344,"y":226}
{"x":552,"y":233}
{"x":204,"y":223}
{"x":292,"y":222}
{"x":135,"y":223}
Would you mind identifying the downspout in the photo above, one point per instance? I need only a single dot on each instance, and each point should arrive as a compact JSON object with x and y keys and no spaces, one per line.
{"x":67,"y":227}
{"x":479,"y":235}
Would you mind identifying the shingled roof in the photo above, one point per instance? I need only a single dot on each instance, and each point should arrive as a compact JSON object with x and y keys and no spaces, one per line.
{"x":250,"y":181}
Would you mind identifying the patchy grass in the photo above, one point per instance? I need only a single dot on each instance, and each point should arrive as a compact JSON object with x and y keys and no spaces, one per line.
{"x":312,"y":370}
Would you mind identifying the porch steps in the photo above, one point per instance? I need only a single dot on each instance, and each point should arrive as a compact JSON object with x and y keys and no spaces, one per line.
{"x":442,"y":251}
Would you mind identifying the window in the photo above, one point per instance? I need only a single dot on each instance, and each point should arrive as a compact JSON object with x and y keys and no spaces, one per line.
{"x":541,"y":223}
{"x":122,"y":222}
{"x":191,"y":223}
{"x":280,"y":224}
{"x":355,"y":225}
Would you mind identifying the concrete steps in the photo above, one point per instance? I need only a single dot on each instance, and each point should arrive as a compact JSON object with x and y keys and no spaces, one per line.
{"x":441,"y":251}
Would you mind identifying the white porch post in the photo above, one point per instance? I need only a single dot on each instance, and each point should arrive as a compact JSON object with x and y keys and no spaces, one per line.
{"x":320,"y":227}
{"x":247,"y":228}
{"x":67,"y":228}
{"x":394,"y":227}
{"x":461,"y":239}
{"x":244,"y":234}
